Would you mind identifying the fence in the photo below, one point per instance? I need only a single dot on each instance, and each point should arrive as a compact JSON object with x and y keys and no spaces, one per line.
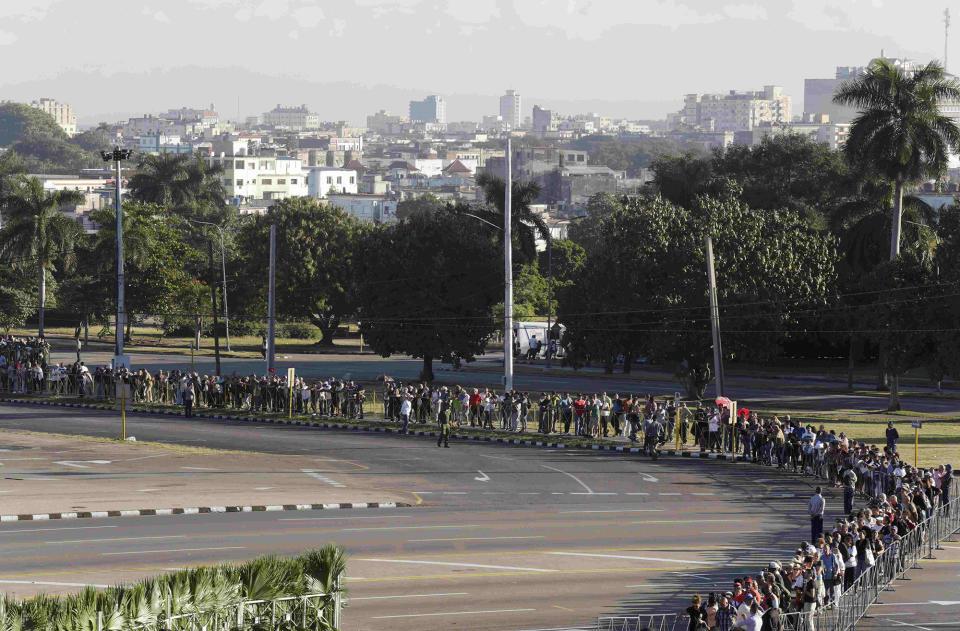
{"x":851,"y":606}
{"x":301,"y":612}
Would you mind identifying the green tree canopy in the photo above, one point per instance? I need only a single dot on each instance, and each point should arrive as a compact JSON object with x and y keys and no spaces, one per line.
{"x":428,"y":285}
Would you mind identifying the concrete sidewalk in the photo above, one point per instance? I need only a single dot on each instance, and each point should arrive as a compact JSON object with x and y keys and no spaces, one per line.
{"x":43,"y":473}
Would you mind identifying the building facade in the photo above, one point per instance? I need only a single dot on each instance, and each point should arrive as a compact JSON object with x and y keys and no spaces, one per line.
{"x":296,"y":118}
{"x":432,"y":109}
{"x":61,"y":112}
{"x":734,"y":111}
{"x":511,"y":109}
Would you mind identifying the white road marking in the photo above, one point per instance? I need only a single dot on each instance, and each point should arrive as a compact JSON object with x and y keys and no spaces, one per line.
{"x":619,"y":510}
{"x":112,"y":554}
{"x":200,"y":468}
{"x":592,"y":493}
{"x":731,"y":532}
{"x":449,"y":564}
{"x":623,"y":556}
{"x":146,"y":490}
{"x":118,"y":539}
{"x":907,"y":624}
{"x":454,"y":492}
{"x":668,"y":493}
{"x":578,"y":480}
{"x":342,"y":518}
{"x":13,"y":532}
{"x":410,"y":596}
{"x":322,"y":478}
{"x":145,"y":457}
{"x":449,"y":613}
{"x":703,"y":494}
{"x":473,"y":539}
{"x":79,"y":464}
{"x":410,"y":527}
{"x":638,"y":494}
{"x":263,"y":488}
{"x":53,"y":584}
{"x":483,"y":477}
{"x":648,"y":478}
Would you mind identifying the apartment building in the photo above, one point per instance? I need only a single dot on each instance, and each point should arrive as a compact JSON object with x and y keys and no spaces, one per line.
{"x":294,"y":118}
{"x":61,"y":112}
{"x":511,"y":109}
{"x":264,"y":176}
{"x":734,"y":111}
{"x":432,"y":109}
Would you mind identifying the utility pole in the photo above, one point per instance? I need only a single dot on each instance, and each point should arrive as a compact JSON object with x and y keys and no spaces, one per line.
{"x":946,"y":36}
{"x":116,"y":156}
{"x":715,"y":319}
{"x":223,"y":266}
{"x":271,"y":306}
{"x":508,"y":277}
{"x":213,"y":295}
{"x":549,"y":295}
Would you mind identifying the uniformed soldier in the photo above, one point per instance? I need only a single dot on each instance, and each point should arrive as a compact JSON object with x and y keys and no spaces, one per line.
{"x":443,"y":418}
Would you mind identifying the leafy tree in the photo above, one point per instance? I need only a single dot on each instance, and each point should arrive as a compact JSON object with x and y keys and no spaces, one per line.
{"x":175,"y":180}
{"x":36,"y":235}
{"x":680,"y":179}
{"x":630,"y":155}
{"x":565,"y":259}
{"x":644,"y":292}
{"x":526,"y":225}
{"x":900,"y":131}
{"x":18,"y":120}
{"x":15,"y":307}
{"x":429,"y":284}
{"x":317,"y":254}
{"x":425,"y":203}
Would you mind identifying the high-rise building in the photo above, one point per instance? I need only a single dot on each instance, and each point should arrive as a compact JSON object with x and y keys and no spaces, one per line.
{"x":295,"y":118}
{"x":734,"y":111}
{"x":432,"y":109}
{"x":61,"y":112}
{"x":511,"y":109}
{"x":542,"y":120}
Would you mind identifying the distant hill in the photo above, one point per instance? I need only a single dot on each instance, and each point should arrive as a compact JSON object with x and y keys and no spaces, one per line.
{"x":42,"y":145}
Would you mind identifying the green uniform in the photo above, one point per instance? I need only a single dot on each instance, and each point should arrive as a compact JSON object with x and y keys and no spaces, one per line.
{"x":444,"y":419}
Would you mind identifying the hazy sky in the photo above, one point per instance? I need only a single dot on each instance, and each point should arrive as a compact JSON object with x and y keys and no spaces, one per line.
{"x":631,"y":57}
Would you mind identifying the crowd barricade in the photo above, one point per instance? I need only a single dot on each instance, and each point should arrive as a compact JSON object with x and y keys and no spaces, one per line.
{"x":852,"y":605}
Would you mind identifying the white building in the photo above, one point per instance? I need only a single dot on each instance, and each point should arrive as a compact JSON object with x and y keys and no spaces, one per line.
{"x":295,"y":118}
{"x":734,"y":111}
{"x":159,"y":143}
{"x":261,"y":177}
{"x":374,"y":208}
{"x":61,"y":112}
{"x":323,"y":181}
{"x":511,"y":109}
{"x":354,"y":143}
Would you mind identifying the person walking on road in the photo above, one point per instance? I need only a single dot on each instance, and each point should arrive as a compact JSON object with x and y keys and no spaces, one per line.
{"x":443,"y":418}
{"x":816,"y":507}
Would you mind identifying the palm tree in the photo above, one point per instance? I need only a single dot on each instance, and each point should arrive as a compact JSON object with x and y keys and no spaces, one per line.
{"x":900,"y":132}
{"x":160,"y":178}
{"x":36,"y":232}
{"x":526,"y":225}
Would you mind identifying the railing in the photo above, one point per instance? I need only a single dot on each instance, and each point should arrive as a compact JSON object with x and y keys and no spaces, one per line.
{"x":301,"y":612}
{"x":852,"y":604}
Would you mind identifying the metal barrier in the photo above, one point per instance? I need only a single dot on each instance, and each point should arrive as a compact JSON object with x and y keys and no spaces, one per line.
{"x":852,"y":605}
{"x":303,"y":612}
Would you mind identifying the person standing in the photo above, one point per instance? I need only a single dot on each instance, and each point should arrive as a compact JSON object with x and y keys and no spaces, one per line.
{"x":849,"y":486}
{"x":443,"y":418}
{"x":79,"y":347}
{"x":816,"y":507}
{"x":405,"y":409}
{"x":892,"y":437}
{"x":187,"y":395}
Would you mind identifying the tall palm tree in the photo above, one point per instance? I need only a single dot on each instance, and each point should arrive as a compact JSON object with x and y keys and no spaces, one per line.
{"x":160,"y":178}
{"x":36,"y":233}
{"x":526,"y":225}
{"x":900,"y":131}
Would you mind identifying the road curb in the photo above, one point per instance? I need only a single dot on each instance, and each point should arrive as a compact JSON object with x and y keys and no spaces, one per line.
{"x":522,"y":442}
{"x":199,"y":510}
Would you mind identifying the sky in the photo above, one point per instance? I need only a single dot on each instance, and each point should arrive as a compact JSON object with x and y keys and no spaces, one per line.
{"x":348,"y":58}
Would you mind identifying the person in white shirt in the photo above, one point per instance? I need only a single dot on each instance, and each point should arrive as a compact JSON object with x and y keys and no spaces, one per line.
{"x":405,"y":408}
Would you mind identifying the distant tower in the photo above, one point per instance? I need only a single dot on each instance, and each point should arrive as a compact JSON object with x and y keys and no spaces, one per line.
{"x":946,"y":35}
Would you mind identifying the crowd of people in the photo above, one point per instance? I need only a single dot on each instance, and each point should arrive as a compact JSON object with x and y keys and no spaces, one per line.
{"x":23,"y":363}
{"x":830,"y":562}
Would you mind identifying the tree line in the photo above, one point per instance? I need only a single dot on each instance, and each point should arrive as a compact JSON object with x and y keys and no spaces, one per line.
{"x":809,"y":257}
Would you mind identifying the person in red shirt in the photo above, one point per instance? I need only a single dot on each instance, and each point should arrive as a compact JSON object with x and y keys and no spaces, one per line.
{"x":579,"y":409}
{"x":475,"y":407}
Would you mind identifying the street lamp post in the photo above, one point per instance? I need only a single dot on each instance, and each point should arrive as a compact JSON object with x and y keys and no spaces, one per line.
{"x":223,"y":268}
{"x":117,"y":156}
{"x":508,"y":276}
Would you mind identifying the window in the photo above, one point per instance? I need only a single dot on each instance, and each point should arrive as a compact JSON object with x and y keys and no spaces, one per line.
{"x":266,"y":181}
{"x":251,"y":165}
{"x":239,"y":182}
{"x":339,"y":180}
{"x":238,"y":164}
{"x":293,"y":180}
{"x":351,"y":179}
{"x":580,"y":158}
{"x":281,"y":181}
{"x":227,"y":181}
{"x":329,"y":180}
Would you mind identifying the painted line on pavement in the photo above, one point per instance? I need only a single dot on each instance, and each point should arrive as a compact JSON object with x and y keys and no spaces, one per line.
{"x":578,"y":480}
{"x":199,"y":468}
{"x":473,"y":539}
{"x":633,"y":558}
{"x":410,"y":596}
{"x":731,"y":532}
{"x":449,"y":613}
{"x":118,"y":539}
{"x":13,"y":532}
{"x":47,"y":583}
{"x":410,"y":527}
{"x":624,"y":510}
{"x":322,"y":478}
{"x":112,"y":554}
{"x":449,"y":564}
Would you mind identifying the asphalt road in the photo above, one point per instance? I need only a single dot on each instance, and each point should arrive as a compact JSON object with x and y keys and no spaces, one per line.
{"x":786,"y":393}
{"x":505,"y":537}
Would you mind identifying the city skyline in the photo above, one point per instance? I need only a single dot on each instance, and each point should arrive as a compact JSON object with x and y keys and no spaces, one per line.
{"x":593,"y":39}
